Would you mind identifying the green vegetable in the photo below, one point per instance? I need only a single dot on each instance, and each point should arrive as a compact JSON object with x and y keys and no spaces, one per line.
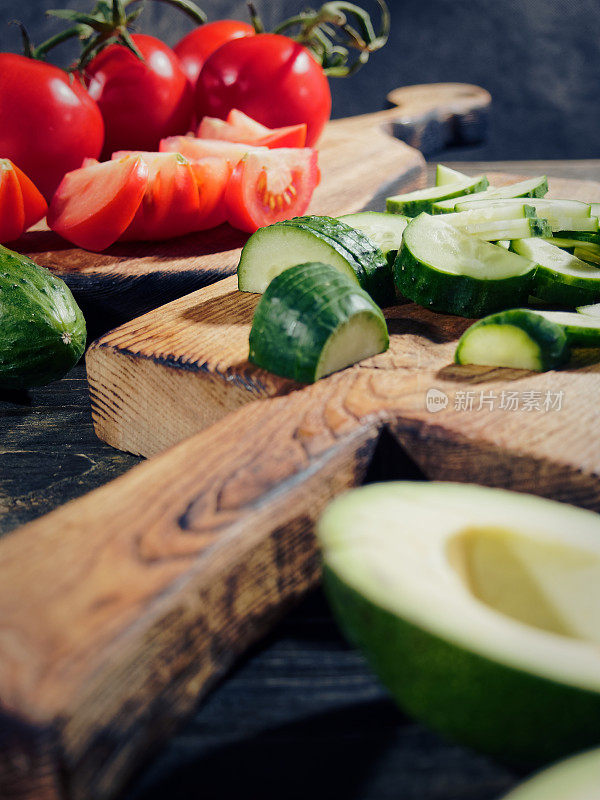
{"x":414,"y":203}
{"x":581,"y":330}
{"x":313,"y":320}
{"x":577,"y":778}
{"x":442,"y":268}
{"x":478,"y":609}
{"x":42,"y":329}
{"x":532,"y":187}
{"x":445,"y":175}
{"x":518,"y":338}
{"x":495,"y":230}
{"x":384,"y":230}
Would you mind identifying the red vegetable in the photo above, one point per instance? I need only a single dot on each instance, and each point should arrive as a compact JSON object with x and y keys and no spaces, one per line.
{"x":271,"y":185}
{"x":273,"y":79}
{"x":94,"y":205}
{"x":34,"y":204}
{"x":21,"y":203}
{"x":239,"y":127}
{"x":48,"y":122}
{"x":193,"y":50}
{"x":141,"y":101}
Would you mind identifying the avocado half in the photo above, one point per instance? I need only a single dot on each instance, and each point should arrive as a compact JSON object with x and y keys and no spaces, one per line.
{"x":478,"y":608}
{"x":577,"y":778}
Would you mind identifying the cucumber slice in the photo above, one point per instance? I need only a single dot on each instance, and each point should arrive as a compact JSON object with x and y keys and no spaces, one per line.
{"x":489,"y":213}
{"x":581,"y":330}
{"x":518,"y":338}
{"x":595,"y":209}
{"x":591,"y":236}
{"x":590,"y":310}
{"x":384,"y":230}
{"x":587,"y":251}
{"x":478,"y":608}
{"x":560,"y":278}
{"x":445,"y":175}
{"x":506,"y":229}
{"x":532,"y":187}
{"x":577,"y":778}
{"x":552,"y":210}
{"x":420,"y":200}
{"x":442,"y":268}
{"x":276,"y":247}
{"x":313,"y":320}
{"x":505,"y":243}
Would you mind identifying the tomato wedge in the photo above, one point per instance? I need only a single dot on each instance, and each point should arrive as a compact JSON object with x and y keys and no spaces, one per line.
{"x":246,"y":124}
{"x":271,"y":185}
{"x":212,"y":176}
{"x":12,"y":213}
{"x":193,"y":149}
{"x":94,"y":205}
{"x":239,"y":127}
{"x":170,"y":205}
{"x":34,"y":202}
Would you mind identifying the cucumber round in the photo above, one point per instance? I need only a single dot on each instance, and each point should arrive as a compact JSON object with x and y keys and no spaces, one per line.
{"x":577,"y":778}
{"x":478,"y":608}
{"x":311,"y":321}
{"x":42,"y":329}
{"x":414,"y":203}
{"x":446,"y":270}
{"x":560,"y":278}
{"x":384,"y":230}
{"x":518,"y":338}
{"x":581,"y":330}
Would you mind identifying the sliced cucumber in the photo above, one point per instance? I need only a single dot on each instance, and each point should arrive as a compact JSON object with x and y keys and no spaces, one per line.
{"x":505,"y":243}
{"x":590,"y":310}
{"x":586,"y":255}
{"x":445,"y":175}
{"x":420,"y":200}
{"x":577,"y":778}
{"x":595,"y":209}
{"x":532,"y":187}
{"x":272,"y":249}
{"x":313,"y":320}
{"x":442,"y":268}
{"x":581,"y":330}
{"x":494,"y":230}
{"x":586,"y":251}
{"x":560,"y":278}
{"x":551,"y":210}
{"x":489,"y":213}
{"x":518,"y":338}
{"x":591,"y":236}
{"x":384,"y":230}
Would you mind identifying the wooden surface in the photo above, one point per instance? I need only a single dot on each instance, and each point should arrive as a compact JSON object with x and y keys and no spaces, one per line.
{"x":113,"y":615}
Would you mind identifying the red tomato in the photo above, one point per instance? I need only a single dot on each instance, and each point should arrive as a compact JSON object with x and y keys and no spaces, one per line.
{"x":241,"y":128}
{"x":141,"y":101}
{"x":271,"y":78}
{"x":48,"y":121}
{"x":269,"y":186}
{"x":193,"y":149}
{"x":12,"y":214}
{"x":193,"y":50}
{"x":94,"y":205}
{"x":170,"y":206}
{"x":212,"y":176}
{"x":34,"y":204}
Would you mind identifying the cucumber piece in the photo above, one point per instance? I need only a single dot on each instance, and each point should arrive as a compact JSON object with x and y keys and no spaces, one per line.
{"x":588,"y":251}
{"x":577,"y":778}
{"x":276,"y":247}
{"x":585,"y":229}
{"x":384,"y":230}
{"x":490,"y":214}
{"x":595,"y":209}
{"x":42,"y":329}
{"x":591,"y":310}
{"x":505,"y":243}
{"x":508,"y":229}
{"x":518,"y":338}
{"x":445,"y":175}
{"x":442,"y":268}
{"x":552,"y":210}
{"x":313,"y":320}
{"x":593,"y":237}
{"x":586,"y":255}
{"x":532,"y":187}
{"x":581,"y":330}
{"x":478,"y":608}
{"x":560,"y":278}
{"x":420,"y":200}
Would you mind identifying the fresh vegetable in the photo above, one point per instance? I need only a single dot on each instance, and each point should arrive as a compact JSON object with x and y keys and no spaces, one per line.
{"x":141,"y":101}
{"x":94,"y":205}
{"x":532,"y":187}
{"x":193,"y":50}
{"x":21,"y":204}
{"x":590,"y":310}
{"x":384,"y":230}
{"x":477,"y":608}
{"x":587,"y":250}
{"x":271,"y":186}
{"x":560,"y":278}
{"x":577,"y":778}
{"x":49,"y":121}
{"x":518,"y":338}
{"x":560,"y":214}
{"x":442,"y":268}
{"x":313,"y":320}
{"x":239,"y":127}
{"x":445,"y":175}
{"x":413,"y":203}
{"x":194,"y":149}
{"x":42,"y":330}
{"x":275,"y":248}
{"x":493,"y":230}
{"x":581,"y":330}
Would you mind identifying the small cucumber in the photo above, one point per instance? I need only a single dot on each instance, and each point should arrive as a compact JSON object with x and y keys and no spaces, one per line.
{"x":42,"y":329}
{"x":560,"y":278}
{"x":313,"y":320}
{"x":517,"y":338}
{"x":384,"y":230}
{"x":532,"y":187}
{"x":442,"y":268}
{"x":414,"y":203}
{"x":445,"y":175}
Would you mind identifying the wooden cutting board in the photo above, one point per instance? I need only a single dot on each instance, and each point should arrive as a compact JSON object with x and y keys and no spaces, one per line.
{"x":358,"y":157}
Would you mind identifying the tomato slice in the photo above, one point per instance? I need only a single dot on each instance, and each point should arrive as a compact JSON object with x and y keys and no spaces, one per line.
{"x":193,"y":149}
{"x":34,"y":202}
{"x":212,"y":176}
{"x":269,"y":186}
{"x":246,"y":124}
{"x":12,"y":213}
{"x":94,"y":205}
{"x":290,"y":136}
{"x":239,"y":127}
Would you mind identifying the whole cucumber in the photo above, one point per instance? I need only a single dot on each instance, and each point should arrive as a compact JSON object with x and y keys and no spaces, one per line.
{"x":42,"y":329}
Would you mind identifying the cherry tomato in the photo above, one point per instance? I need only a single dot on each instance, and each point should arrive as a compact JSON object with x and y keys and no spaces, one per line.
{"x":94,"y":205}
{"x":270,"y":186}
{"x":12,"y":214}
{"x":48,"y":121}
{"x":239,"y":127}
{"x":193,"y":50}
{"x":141,"y":101}
{"x":273,"y":79}
{"x":170,"y":206}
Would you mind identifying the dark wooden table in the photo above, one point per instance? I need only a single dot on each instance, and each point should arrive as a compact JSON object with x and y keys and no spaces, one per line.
{"x":301,"y":716}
